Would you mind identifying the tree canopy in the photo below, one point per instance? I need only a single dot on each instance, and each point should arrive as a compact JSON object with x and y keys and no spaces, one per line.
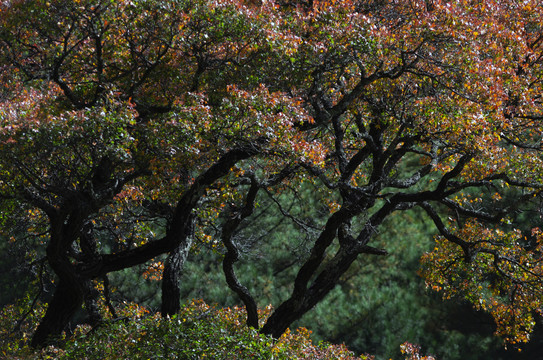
{"x":134,"y":129}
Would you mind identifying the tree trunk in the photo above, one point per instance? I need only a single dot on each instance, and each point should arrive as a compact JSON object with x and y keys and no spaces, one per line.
{"x":232,"y":255}
{"x":304,"y":298}
{"x":296,"y":306}
{"x":67,"y":299}
{"x":170,"y":278}
{"x":66,"y":227}
{"x":279,"y":321}
{"x":70,"y":291}
{"x":242,"y":291}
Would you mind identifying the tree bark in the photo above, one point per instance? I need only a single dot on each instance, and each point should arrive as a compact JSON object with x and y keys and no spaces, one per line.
{"x":170,"y":277}
{"x":67,"y":299}
{"x":304,"y":298}
{"x":232,"y":255}
{"x":68,"y":225}
{"x":70,"y":291}
{"x":235,"y":285}
{"x":295,"y":307}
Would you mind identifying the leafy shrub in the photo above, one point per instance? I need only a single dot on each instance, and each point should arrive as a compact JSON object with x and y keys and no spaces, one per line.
{"x":17,"y":323}
{"x":199,"y":331}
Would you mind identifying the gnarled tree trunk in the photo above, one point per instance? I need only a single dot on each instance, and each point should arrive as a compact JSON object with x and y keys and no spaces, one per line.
{"x":67,"y":299}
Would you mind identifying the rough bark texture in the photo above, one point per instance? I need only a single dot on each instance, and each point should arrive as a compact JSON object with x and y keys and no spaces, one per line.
{"x":170,"y":278}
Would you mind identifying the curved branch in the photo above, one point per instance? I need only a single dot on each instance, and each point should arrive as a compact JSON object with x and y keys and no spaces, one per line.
{"x":232,"y":255}
{"x":464,"y":160}
{"x":181,"y":218}
{"x":466,"y":248}
{"x":481,"y":215}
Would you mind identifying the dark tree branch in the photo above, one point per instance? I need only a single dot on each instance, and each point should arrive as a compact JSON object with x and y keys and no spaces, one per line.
{"x":182,"y":214}
{"x":355,"y":162}
{"x":477,"y":214}
{"x":234,"y":219}
{"x":466,"y":247}
{"x":462,"y":162}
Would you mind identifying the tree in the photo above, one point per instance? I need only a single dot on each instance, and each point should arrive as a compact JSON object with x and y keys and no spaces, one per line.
{"x":131,"y":128}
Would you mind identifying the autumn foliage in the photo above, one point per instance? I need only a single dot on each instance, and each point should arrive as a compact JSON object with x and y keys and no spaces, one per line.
{"x":134,"y":129}
{"x":198,"y":331}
